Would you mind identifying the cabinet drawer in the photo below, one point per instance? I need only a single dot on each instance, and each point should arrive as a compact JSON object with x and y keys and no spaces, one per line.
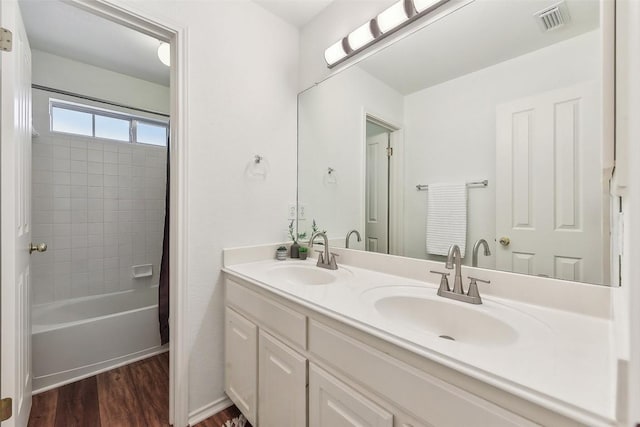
{"x":334,"y":404}
{"x":427,"y":397}
{"x":275,"y":317}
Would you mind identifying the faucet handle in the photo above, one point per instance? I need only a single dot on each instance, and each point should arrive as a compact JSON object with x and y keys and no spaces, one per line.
{"x":444,"y":282}
{"x":320,"y":257}
{"x":332,"y":261}
{"x":473,"y":286}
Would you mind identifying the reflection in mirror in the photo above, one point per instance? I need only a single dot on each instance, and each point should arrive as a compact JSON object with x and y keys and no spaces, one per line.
{"x":486,"y":95}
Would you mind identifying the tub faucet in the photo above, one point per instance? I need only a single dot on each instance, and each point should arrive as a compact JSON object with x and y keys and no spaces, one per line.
{"x":346,"y":242}
{"x":324,"y":261}
{"x":476,"y":247}
{"x":473,"y":295}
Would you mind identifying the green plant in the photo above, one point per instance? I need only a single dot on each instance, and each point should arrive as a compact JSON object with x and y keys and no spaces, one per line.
{"x":282,"y":248}
{"x":303,"y":249}
{"x":314,"y":227}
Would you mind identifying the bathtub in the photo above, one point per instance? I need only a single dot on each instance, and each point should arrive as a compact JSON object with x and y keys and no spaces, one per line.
{"x":81,"y":337}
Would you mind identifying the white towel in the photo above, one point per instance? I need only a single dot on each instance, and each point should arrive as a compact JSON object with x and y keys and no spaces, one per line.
{"x":446,"y":217}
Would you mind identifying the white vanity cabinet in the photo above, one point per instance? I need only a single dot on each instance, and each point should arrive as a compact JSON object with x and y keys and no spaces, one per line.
{"x":286,"y":367}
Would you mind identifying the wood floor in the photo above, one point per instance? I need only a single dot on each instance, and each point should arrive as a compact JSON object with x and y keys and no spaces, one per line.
{"x":135,"y":395}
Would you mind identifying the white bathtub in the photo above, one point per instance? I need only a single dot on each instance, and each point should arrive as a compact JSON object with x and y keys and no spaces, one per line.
{"x":78,"y":338}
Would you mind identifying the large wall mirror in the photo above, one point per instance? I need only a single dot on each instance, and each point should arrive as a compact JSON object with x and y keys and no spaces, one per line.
{"x":484,"y":124}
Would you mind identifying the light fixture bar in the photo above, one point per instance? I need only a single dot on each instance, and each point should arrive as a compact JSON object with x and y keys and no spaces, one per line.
{"x":390,"y":20}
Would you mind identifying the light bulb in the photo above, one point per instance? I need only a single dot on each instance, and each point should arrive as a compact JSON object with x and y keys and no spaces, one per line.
{"x":334,"y":53}
{"x":164,"y":53}
{"x":391,"y":17}
{"x":360,"y":36}
{"x":422,"y":5}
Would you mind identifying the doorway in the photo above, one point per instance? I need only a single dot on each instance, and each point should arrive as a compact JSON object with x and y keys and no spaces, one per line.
{"x":381,"y":139}
{"x":15,"y":359}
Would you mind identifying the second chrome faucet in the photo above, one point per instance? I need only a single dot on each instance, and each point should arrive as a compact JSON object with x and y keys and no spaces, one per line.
{"x":472,"y":296}
{"x":325,"y":260}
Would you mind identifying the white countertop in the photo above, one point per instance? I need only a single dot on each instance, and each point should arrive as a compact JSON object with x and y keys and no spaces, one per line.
{"x":561,"y":360}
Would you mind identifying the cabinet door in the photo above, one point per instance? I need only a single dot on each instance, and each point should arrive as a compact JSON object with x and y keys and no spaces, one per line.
{"x":282,"y":384}
{"x":241,"y":363}
{"x":334,"y":404}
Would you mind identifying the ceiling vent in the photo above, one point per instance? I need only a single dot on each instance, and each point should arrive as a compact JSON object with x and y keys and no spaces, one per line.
{"x":553,"y":17}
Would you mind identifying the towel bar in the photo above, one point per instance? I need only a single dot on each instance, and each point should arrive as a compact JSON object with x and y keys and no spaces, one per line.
{"x":424,"y":187}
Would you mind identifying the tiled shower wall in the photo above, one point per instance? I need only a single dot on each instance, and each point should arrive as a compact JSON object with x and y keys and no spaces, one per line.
{"x":100,"y":207}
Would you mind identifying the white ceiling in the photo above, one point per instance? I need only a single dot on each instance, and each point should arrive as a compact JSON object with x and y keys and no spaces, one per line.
{"x":295,"y":12}
{"x":481,"y":34}
{"x":64,"y":30}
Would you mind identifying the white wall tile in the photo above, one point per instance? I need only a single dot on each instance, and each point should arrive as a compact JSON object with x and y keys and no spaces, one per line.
{"x":100,"y":206}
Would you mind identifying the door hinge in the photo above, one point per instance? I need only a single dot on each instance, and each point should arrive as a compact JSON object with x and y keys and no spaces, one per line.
{"x":389,"y":151}
{"x":6,"y":408}
{"x":6,"y":40}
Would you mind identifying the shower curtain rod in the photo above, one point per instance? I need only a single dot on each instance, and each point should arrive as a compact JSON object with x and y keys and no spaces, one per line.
{"x":90,"y":98}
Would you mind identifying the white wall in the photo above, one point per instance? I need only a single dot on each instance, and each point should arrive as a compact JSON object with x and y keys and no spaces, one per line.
{"x":242,"y":81}
{"x":450,"y":131}
{"x":100,"y":206}
{"x":62,"y":73}
{"x":332,"y":134}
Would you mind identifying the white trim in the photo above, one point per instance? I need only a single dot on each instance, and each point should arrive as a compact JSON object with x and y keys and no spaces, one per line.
{"x":209,"y":410}
{"x":177,"y":35}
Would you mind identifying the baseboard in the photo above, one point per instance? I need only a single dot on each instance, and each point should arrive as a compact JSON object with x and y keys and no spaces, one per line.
{"x":208,"y":410}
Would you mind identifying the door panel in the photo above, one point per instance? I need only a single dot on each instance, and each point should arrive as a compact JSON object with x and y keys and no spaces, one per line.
{"x":15,"y":215}
{"x":377,"y":194}
{"x":282,"y":379}
{"x":549,"y":198}
{"x":334,"y":404}
{"x":241,"y":355}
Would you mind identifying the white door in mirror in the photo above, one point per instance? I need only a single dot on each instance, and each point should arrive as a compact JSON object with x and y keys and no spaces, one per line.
{"x":554,"y":221}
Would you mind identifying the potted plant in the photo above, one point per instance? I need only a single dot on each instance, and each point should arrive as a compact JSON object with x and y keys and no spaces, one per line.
{"x":304,"y":251}
{"x":281,"y":253}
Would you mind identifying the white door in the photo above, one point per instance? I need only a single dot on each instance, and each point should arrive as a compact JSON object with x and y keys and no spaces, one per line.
{"x":15,"y":216}
{"x":334,"y":404}
{"x":549,"y":186}
{"x":282,"y":384}
{"x":241,"y":363}
{"x":377,"y":193}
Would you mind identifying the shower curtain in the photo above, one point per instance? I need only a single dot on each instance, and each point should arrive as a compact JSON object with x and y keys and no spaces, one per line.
{"x":163,"y":288}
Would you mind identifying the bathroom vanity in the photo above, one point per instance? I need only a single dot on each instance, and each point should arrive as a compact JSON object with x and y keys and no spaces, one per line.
{"x":372,"y":344}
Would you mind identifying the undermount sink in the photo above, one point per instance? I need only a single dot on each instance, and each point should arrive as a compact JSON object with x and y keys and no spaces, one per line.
{"x":421,"y":310}
{"x":301,"y":274}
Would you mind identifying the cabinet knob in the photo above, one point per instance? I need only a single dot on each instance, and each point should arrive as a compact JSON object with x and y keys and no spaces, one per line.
{"x":504,"y":241}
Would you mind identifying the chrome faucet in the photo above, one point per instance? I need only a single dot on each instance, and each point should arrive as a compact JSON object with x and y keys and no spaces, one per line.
{"x":455,"y":257}
{"x":324,"y":261}
{"x":476,"y":246}
{"x":472,"y":296}
{"x":346,"y":241}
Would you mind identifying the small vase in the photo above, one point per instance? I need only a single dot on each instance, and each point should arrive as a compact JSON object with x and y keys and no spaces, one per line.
{"x":281,"y":255}
{"x":303,"y":255}
{"x":295,"y":250}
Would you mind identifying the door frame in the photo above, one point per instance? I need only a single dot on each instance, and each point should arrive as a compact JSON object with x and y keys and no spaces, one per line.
{"x":396,"y":179}
{"x":177,"y":35}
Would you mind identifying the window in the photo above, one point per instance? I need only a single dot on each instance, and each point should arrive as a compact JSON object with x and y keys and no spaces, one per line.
{"x":77,"y":119}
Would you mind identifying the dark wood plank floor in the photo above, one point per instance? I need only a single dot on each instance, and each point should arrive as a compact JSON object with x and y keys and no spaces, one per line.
{"x":136,"y":395}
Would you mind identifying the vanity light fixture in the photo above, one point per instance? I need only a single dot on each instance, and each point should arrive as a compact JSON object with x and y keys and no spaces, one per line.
{"x":164,"y":53}
{"x":388,"y":21}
